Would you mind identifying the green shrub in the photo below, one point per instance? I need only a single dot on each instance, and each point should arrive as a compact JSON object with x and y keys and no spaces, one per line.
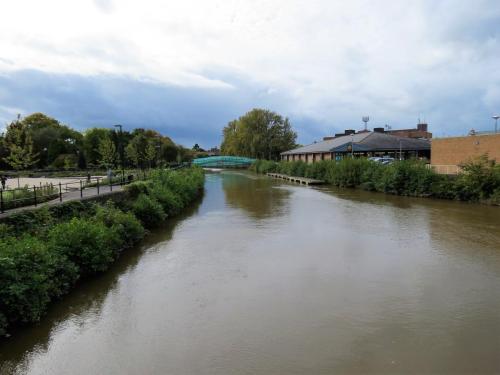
{"x":89,"y":244}
{"x":139,"y":187}
{"x":3,"y":324}
{"x":478,"y":180}
{"x":264,"y":166}
{"x":125,"y":224}
{"x":30,"y":274}
{"x":148,"y":211}
{"x":495,"y":197}
{"x":43,"y":252}
{"x":171,"y":202}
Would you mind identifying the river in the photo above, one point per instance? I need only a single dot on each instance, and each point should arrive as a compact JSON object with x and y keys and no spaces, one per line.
{"x":267,"y":277}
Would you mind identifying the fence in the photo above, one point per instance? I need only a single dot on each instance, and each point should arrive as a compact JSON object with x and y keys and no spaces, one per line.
{"x":33,"y":196}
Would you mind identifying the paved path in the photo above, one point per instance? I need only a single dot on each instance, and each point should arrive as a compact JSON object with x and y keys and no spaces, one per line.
{"x":69,"y":196}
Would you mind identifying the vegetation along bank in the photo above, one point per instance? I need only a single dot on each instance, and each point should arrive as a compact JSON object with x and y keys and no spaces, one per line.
{"x":44,"y":252}
{"x":479,"y":180}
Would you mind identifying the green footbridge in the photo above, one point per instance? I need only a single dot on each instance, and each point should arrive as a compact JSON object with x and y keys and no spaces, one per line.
{"x":223,"y":162}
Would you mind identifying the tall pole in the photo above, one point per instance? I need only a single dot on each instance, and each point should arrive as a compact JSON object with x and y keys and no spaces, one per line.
{"x":120,"y":148}
{"x":352,"y":146}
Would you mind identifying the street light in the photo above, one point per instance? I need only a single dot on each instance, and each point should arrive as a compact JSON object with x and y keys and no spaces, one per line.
{"x":496,"y":117}
{"x":120,"y":148}
{"x":158,"y":147}
{"x":352,"y":146}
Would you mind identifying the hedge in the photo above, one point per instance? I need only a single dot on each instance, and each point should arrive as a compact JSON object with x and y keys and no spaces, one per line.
{"x":44,"y":252}
{"x":479,"y":180}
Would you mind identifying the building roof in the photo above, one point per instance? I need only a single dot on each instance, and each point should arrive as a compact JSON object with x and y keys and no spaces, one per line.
{"x":364,"y":142}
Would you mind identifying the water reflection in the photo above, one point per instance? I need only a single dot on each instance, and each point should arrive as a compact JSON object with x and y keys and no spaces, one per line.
{"x":260,"y":197}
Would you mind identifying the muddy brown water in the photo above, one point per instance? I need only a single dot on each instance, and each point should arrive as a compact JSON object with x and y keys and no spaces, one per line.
{"x":267,"y":277}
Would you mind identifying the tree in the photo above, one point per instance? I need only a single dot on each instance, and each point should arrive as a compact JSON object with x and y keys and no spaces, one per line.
{"x":51,"y":138}
{"x":107,"y":150}
{"x":91,"y":141}
{"x":20,"y":146}
{"x":150,"y":153}
{"x":258,"y":134}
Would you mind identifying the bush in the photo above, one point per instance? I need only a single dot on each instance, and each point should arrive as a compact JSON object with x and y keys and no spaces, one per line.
{"x":89,"y":244}
{"x":3,"y":324}
{"x":44,"y":252}
{"x":30,"y":274}
{"x":171,"y":202}
{"x":148,"y":211}
{"x":125,"y":224}
{"x":479,"y":181}
{"x":139,"y":187}
{"x":264,"y":166}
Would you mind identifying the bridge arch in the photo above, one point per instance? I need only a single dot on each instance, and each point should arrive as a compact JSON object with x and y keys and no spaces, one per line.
{"x":223,"y":162}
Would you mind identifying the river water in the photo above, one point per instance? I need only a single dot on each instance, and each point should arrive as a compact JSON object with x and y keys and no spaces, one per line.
{"x":267,"y":277}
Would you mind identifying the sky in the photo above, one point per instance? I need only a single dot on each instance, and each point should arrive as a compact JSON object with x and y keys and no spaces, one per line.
{"x":187,"y":68}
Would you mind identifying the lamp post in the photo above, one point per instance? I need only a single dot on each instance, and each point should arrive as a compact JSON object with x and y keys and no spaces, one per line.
{"x":120,"y":149}
{"x":352,"y":146}
{"x":496,"y":117}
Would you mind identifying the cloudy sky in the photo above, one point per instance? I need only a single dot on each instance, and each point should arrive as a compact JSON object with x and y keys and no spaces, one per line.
{"x":188,"y":67}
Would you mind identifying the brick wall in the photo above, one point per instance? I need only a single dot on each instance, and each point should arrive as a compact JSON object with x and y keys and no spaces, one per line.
{"x":410,"y":133}
{"x":457,"y":150}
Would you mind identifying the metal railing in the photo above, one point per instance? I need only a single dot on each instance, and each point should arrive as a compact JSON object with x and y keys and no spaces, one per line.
{"x":33,"y":196}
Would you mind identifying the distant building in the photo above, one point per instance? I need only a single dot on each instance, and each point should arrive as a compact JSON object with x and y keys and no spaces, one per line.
{"x":365,"y":143}
{"x":214,"y":151}
{"x":447,"y":154}
{"x":419,"y":132}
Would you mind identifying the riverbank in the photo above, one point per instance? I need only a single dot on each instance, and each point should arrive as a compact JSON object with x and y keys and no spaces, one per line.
{"x":44,"y":252}
{"x":479,"y":181}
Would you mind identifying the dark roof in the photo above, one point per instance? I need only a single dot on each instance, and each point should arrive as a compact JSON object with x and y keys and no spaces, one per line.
{"x":364,"y":142}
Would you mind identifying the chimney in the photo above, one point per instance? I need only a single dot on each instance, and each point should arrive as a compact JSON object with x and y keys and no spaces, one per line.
{"x":422,"y":127}
{"x":378,"y":130}
{"x":349,"y":131}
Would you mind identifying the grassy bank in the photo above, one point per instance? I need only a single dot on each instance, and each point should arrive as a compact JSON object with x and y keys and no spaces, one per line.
{"x":43,"y":253}
{"x":478,"y":182}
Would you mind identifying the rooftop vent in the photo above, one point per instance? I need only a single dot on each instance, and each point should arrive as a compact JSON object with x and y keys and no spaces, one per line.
{"x":422,"y":127}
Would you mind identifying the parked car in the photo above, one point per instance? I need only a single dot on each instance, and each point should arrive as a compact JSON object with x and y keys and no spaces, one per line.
{"x":382,"y":159}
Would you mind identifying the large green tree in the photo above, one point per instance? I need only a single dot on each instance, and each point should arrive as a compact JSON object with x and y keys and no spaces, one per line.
{"x":260,"y":133}
{"x":51,"y":139}
{"x":107,"y":150}
{"x":19,"y":144}
{"x":92,"y":139}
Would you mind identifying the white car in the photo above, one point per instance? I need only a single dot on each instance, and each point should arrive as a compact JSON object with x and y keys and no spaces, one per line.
{"x":382,"y":159}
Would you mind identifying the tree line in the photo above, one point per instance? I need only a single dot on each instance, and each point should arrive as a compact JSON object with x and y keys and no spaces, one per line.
{"x":38,"y":141}
{"x":260,"y":134}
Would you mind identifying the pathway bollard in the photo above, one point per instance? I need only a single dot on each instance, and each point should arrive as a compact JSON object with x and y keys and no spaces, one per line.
{"x":1,"y":201}
{"x":60,"y":192}
{"x":81,"y":189}
{"x":97,"y":185}
{"x":34,"y":193}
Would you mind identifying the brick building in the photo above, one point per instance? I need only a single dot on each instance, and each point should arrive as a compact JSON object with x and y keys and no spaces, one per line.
{"x":447,"y":154}
{"x":362,"y":144}
{"x":419,"y":132}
